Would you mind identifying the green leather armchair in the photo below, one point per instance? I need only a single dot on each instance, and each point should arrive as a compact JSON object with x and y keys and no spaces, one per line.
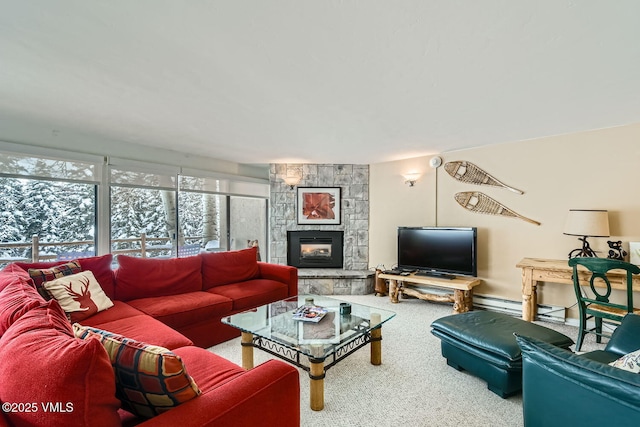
{"x":561,"y":388}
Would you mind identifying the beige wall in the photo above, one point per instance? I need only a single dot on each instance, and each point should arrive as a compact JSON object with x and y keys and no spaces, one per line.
{"x":589,"y":170}
{"x":393,"y":203}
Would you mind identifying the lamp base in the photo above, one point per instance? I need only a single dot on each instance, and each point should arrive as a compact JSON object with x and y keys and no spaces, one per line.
{"x":584,"y":252}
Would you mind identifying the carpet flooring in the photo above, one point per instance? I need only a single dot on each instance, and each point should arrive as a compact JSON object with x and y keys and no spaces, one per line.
{"x":414,"y":386}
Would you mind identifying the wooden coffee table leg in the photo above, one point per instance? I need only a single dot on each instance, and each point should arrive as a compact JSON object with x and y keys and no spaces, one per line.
{"x":247,"y":350}
{"x":316,"y":384}
{"x":376,"y":346}
{"x":376,"y":340}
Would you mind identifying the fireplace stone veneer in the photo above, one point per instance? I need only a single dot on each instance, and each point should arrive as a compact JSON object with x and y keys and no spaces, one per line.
{"x":329,"y":281}
{"x":354,"y":277}
{"x":318,"y":255}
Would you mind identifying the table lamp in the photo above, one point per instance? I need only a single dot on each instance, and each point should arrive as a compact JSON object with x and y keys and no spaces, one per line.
{"x":586,"y":223}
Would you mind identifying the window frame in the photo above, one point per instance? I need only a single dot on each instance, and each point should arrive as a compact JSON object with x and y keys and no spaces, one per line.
{"x":230,"y":184}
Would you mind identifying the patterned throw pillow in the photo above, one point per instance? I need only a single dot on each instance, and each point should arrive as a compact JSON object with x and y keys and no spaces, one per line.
{"x":41,"y":275}
{"x":80,"y":295}
{"x":628,"y":362}
{"x":149,"y":379}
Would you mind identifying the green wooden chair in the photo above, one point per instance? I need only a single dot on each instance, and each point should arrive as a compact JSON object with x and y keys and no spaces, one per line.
{"x":593,"y":301}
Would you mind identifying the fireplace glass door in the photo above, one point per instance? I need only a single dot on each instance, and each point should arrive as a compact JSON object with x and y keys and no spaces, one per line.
{"x":315,"y":249}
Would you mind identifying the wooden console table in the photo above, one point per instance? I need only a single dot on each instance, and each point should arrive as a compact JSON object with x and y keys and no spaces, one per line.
{"x":536,"y":270}
{"x":462,"y":287}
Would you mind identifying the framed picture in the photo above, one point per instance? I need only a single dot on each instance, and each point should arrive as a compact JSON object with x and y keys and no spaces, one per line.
{"x":318,"y":205}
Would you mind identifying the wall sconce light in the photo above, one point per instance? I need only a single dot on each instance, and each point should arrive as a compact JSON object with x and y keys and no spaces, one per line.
{"x":586,"y":223}
{"x":411,"y":178}
{"x":292,"y":181}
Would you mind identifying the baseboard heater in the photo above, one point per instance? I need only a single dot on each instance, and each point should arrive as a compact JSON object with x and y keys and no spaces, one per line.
{"x":548,"y":313}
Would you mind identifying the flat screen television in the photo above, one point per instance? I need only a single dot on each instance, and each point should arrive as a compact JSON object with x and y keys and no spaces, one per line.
{"x":438,"y":251}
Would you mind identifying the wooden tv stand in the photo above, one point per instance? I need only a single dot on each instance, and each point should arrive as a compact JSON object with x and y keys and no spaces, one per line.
{"x":462,"y":287}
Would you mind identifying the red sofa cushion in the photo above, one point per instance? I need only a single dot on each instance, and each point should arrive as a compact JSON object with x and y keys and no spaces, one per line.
{"x":281,"y":273}
{"x":120,"y":310}
{"x":16,"y":299}
{"x":221,"y":268}
{"x":207,"y":369}
{"x":100,"y":266}
{"x":184,"y":309}
{"x":150,"y":277}
{"x":268,"y":395}
{"x":12,"y":273}
{"x":252,"y":293}
{"x":42,"y":362}
{"x":143,"y":328}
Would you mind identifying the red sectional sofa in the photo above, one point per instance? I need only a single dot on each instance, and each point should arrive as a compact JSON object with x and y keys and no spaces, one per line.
{"x":50,"y":377}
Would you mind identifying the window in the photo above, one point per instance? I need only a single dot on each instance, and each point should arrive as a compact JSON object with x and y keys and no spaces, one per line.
{"x":52,"y":207}
{"x":48,"y":207}
{"x":49,"y":218}
{"x":144,"y":219}
{"x":209,"y":209}
{"x":203,"y":220}
{"x":248,"y":224}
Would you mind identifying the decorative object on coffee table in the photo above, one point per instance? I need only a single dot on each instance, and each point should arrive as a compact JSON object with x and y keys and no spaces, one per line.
{"x":468,"y":172}
{"x":481,"y":203}
{"x":318,"y":205}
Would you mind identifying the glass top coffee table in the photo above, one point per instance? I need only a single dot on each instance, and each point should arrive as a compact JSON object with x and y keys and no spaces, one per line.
{"x":314,"y":347}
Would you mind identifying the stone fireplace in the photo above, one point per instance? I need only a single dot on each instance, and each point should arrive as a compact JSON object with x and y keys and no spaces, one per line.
{"x":315,"y":249}
{"x":353,"y":275}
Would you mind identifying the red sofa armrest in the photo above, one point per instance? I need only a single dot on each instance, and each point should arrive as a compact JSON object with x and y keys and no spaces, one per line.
{"x":268,"y":395}
{"x":281,"y":273}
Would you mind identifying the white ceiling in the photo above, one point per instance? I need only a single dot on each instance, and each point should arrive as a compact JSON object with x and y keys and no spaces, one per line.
{"x":320,"y":81}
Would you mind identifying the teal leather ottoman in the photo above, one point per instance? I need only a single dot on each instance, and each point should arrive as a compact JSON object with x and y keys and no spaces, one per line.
{"x":483,"y":343}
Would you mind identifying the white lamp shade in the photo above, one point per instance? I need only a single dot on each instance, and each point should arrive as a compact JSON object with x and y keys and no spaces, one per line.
{"x":292,"y":180}
{"x":584,"y":222}
{"x":412,"y":176}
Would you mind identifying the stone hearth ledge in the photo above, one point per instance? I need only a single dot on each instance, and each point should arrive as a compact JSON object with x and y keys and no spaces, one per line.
{"x":335,"y":281}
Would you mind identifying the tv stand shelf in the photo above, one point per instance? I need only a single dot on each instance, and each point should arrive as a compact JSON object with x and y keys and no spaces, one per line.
{"x":462,"y":287}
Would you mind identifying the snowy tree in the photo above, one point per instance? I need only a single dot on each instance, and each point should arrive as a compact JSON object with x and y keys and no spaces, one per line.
{"x":135,"y":211}
{"x":9,"y":213}
{"x":60,"y":211}
{"x":171,"y":218}
{"x":53,"y":211}
{"x":200,"y":215}
{"x":211,"y":217}
{"x":10,"y":217}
